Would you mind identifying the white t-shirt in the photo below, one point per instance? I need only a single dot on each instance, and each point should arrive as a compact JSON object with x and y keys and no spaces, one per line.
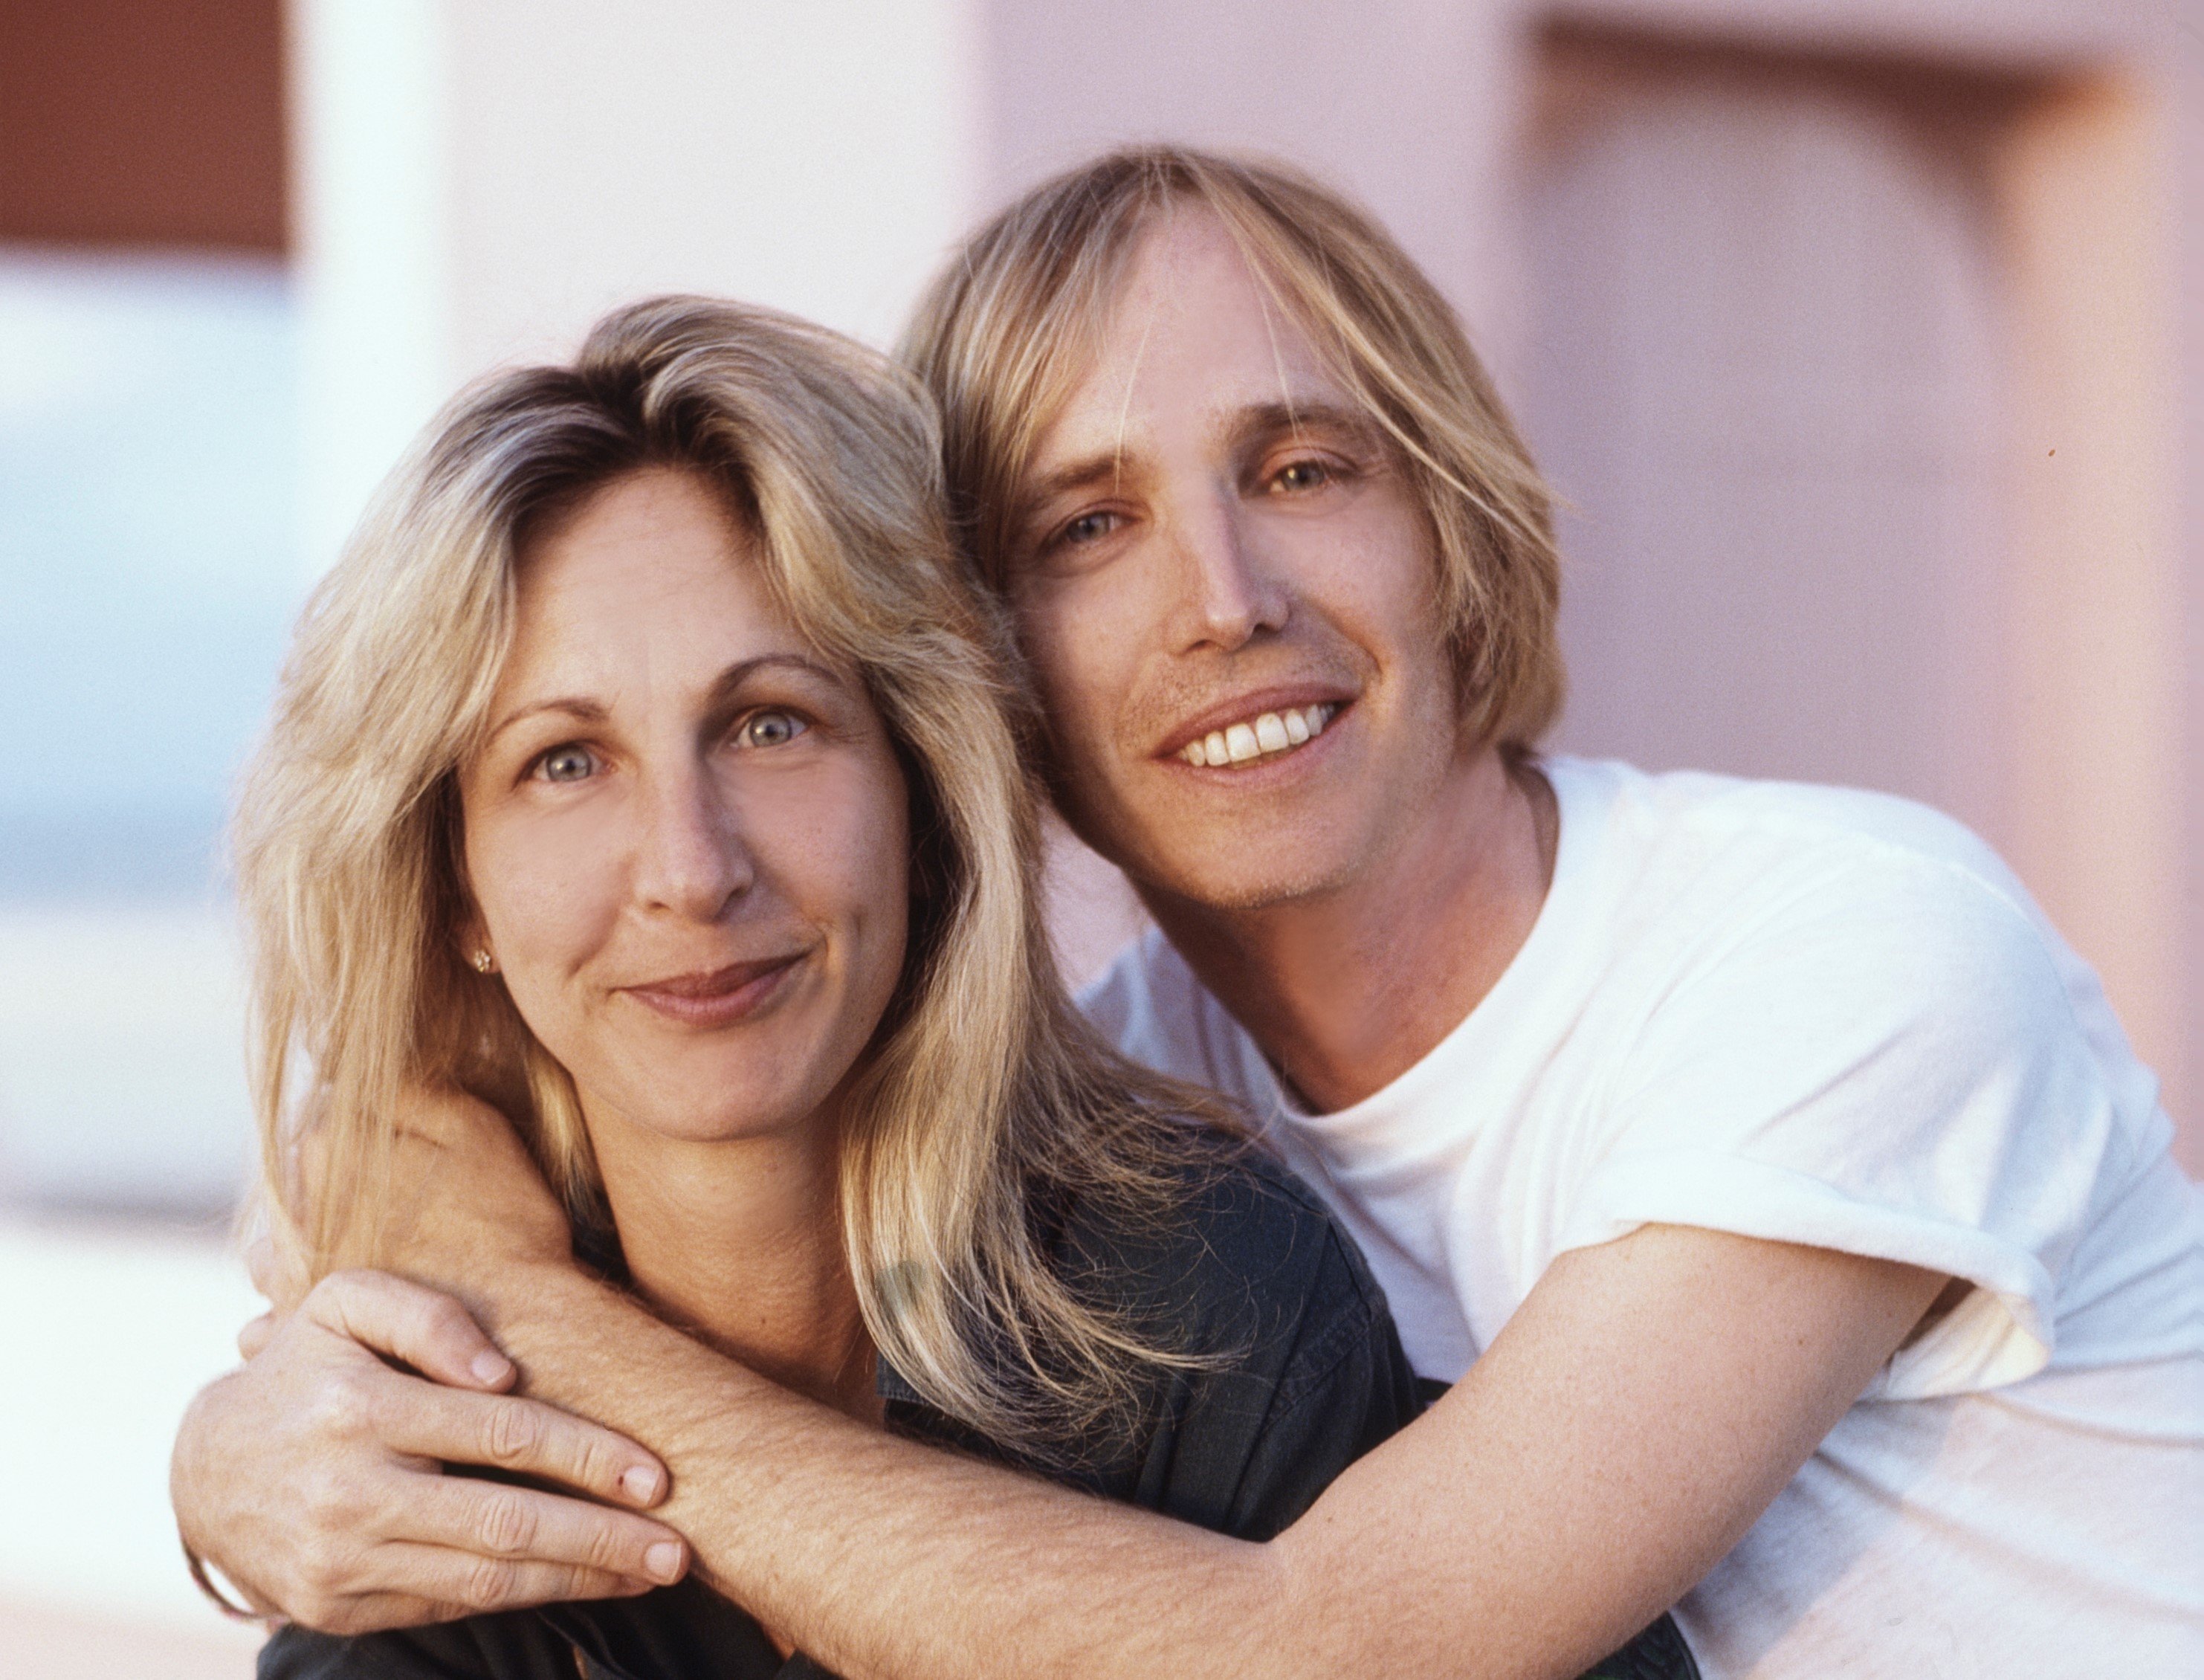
{"x":1829,"y":1017}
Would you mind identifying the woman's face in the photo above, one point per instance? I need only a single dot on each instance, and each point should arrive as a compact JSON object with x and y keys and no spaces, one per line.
{"x":687,"y":834}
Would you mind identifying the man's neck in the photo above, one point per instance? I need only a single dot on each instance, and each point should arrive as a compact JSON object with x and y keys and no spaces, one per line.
{"x":1347,"y":989}
{"x":740,"y":1242}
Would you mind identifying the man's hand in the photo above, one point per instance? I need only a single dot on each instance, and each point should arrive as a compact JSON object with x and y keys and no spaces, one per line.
{"x":312,"y":1478}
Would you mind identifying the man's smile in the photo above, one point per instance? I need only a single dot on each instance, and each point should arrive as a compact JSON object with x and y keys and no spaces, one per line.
{"x":1264,"y":736}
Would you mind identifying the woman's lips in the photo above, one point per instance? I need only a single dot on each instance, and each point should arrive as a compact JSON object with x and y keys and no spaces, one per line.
{"x":717,"y":999}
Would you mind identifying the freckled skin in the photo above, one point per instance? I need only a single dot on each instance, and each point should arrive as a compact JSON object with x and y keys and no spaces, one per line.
{"x":679,"y":830}
{"x":1213,"y":561}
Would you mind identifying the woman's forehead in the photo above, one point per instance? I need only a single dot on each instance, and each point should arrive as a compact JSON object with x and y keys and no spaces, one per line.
{"x":651,"y":576}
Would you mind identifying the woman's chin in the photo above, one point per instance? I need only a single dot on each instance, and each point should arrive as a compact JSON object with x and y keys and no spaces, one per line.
{"x":709,"y":1116}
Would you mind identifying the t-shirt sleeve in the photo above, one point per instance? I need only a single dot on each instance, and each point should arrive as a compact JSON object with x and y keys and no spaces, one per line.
{"x":1877,"y":1057}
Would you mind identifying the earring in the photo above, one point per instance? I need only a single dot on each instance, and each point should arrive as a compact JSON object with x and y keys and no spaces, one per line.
{"x":483,"y":963}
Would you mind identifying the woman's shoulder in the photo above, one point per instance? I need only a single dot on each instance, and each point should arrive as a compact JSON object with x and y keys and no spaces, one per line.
{"x":1282,"y":1364}
{"x":1239,"y":1258}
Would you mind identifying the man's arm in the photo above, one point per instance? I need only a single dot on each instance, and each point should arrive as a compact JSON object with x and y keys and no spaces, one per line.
{"x":1635,"y":1417}
{"x":1637,"y":1414}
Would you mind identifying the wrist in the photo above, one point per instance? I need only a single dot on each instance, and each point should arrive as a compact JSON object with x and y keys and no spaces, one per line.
{"x":509,"y":1292}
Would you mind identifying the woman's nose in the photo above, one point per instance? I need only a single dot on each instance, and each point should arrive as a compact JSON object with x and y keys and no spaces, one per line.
{"x":691,"y":859}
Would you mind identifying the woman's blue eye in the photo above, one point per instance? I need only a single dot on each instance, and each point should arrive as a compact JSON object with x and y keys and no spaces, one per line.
{"x":769,"y":729}
{"x":567,"y":763}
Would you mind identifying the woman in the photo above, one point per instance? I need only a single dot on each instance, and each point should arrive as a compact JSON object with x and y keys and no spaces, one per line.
{"x":646,"y":769}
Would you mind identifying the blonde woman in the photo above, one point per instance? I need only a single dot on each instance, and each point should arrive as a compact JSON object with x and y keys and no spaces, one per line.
{"x":645,"y":770}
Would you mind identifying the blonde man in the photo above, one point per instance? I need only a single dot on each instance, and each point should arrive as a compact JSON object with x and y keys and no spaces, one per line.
{"x":1808,"y":1222}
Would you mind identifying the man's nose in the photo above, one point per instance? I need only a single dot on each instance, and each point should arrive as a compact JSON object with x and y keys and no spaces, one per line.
{"x":1233,"y":593}
{"x":691,"y":859}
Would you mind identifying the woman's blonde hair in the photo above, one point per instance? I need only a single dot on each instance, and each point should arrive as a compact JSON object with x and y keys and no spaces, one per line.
{"x":1010,"y":326}
{"x":986,"y":1109}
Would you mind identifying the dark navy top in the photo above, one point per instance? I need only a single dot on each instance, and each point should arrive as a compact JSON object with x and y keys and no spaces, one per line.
{"x":1302,"y":1373}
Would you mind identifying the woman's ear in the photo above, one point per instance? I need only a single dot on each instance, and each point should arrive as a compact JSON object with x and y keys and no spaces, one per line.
{"x":475,"y":948}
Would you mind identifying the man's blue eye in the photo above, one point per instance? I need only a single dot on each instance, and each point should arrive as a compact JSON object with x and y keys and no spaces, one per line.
{"x":1086,"y":527}
{"x":1302,"y":475}
{"x":568,"y":764}
{"x":770,"y":729}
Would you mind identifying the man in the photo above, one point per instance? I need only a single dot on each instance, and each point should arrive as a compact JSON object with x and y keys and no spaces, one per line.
{"x":1809,"y":1224}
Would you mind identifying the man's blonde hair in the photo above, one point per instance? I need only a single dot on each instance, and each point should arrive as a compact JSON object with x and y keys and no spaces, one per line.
{"x":1010,"y":327}
{"x":985,"y":1109}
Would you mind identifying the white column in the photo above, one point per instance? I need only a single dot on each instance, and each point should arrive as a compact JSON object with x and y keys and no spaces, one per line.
{"x":479,"y":179}
{"x":370,"y":177}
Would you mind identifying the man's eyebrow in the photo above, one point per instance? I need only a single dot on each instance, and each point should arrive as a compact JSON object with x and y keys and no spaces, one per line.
{"x":1257,"y":420}
{"x":1074,"y":475}
{"x":1262,"y":420}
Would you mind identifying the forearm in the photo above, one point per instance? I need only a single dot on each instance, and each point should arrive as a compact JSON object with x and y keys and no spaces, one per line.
{"x":932,"y":1565}
{"x":1580,"y":1479}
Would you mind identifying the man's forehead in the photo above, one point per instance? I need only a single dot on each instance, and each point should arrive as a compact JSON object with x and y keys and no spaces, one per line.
{"x":1194,"y":342}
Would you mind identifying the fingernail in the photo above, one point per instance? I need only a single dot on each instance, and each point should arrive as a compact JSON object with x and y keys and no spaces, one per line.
{"x":491,"y":1367}
{"x":663,"y":1560}
{"x":640,"y":1483}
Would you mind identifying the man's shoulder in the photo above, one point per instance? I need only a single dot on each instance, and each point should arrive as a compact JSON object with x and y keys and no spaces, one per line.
{"x":1694,"y":809}
{"x":1759,"y":921}
{"x":1714,"y":852}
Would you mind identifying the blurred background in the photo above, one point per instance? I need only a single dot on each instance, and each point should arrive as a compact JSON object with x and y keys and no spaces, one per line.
{"x":1866,"y":339}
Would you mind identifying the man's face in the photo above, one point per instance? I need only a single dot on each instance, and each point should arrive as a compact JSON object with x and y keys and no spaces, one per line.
{"x":1224,"y":586}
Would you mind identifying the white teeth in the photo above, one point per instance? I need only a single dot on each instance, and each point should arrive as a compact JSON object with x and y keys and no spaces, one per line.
{"x":1271,"y":733}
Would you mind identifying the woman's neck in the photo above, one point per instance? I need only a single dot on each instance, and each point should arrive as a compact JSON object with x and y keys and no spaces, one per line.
{"x":741,"y":1243}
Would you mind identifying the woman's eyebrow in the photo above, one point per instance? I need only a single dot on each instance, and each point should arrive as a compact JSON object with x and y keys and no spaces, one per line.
{"x":724,"y":686}
{"x":729,"y":682}
{"x":580,"y":708}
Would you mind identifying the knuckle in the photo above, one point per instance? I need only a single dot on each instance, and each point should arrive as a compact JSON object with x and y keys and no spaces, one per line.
{"x":342,"y":1617}
{"x":505,"y":1523}
{"x":608,"y":1545}
{"x":512,"y":1430}
{"x":330,"y":1507}
{"x":343,"y":1403}
{"x":488,"y":1582}
{"x":589,"y":1464}
{"x":309,"y":1609}
{"x":438,"y":1318}
{"x":322,"y":1568}
{"x":339,"y":1287}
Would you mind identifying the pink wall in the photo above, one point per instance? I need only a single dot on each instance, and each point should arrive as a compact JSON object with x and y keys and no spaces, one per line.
{"x":2185,"y":83}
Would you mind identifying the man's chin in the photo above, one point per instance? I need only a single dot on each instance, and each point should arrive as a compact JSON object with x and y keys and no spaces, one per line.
{"x":1244,"y":885}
